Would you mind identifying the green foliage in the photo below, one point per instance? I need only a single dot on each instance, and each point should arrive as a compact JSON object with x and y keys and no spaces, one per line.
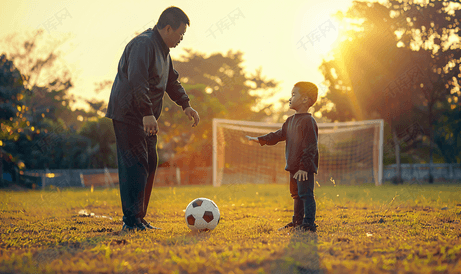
{"x":101,"y":135}
{"x":39,"y":128}
{"x":218,"y":88}
{"x":11,"y":89}
{"x":13,"y":124}
{"x":403,"y":79}
{"x":176,"y":133}
{"x":11,"y":104}
{"x":46,"y":133}
{"x":225,"y":79}
{"x":365,"y":61}
{"x":436,"y":25}
{"x":448,"y":135}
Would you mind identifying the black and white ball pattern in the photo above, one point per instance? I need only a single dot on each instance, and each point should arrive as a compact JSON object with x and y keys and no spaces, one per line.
{"x":202,"y":214}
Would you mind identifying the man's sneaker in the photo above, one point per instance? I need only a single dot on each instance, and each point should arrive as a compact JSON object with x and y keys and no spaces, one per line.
{"x":137,"y":227}
{"x":126,"y":227}
{"x":148,"y":225}
{"x":308,"y":227}
{"x":289,"y":225}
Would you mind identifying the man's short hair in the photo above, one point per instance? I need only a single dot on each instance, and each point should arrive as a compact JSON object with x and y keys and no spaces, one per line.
{"x":172,"y":16}
{"x":309,"y":89}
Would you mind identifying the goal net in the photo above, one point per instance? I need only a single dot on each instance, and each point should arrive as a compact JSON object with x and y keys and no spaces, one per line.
{"x":351,"y":153}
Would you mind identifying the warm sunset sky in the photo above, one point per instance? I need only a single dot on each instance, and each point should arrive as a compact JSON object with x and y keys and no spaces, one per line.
{"x":267,"y":32}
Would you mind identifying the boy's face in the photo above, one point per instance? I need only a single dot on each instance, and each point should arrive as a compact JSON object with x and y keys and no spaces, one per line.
{"x":297,"y":100}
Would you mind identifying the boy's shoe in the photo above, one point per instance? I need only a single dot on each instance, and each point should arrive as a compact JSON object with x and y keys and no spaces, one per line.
{"x":308,"y":227}
{"x":298,"y":213}
{"x":148,"y":225}
{"x":137,"y":227}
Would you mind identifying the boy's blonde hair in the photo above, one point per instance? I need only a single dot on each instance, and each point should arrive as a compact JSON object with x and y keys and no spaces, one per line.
{"x":309,"y":89}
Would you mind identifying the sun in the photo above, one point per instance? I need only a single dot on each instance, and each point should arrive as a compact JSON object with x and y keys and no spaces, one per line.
{"x":317,"y":36}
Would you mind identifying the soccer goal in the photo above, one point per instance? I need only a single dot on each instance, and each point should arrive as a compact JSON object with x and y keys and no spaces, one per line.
{"x":351,"y":153}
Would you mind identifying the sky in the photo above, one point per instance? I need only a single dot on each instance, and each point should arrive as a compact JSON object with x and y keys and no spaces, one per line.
{"x":273,"y":35}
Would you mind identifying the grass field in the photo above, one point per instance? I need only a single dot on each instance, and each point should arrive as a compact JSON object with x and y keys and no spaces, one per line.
{"x":387,"y":229}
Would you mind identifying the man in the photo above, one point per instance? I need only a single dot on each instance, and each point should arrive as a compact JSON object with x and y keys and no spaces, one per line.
{"x":145,"y":72}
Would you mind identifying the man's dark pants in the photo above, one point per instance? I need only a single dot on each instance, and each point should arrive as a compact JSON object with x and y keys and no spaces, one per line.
{"x":137,"y":163}
{"x":303,"y":197}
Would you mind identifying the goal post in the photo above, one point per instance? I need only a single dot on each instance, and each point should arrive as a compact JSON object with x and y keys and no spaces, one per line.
{"x":351,"y":153}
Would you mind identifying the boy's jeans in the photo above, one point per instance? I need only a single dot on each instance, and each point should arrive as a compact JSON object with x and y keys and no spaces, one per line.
{"x":304,"y":190}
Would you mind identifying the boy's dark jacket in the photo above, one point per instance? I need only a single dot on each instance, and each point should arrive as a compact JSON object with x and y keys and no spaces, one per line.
{"x":144,"y":73}
{"x":300,"y":132}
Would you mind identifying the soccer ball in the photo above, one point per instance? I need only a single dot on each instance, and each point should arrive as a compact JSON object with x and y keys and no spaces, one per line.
{"x":202,"y":214}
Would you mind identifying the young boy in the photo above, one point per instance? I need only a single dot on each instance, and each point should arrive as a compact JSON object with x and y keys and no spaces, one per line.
{"x":301,"y":152}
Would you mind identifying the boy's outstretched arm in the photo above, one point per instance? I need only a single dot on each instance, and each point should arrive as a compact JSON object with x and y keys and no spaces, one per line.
{"x":254,"y":139}
{"x":270,"y":138}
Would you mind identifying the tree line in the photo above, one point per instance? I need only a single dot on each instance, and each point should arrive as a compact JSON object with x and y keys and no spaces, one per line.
{"x":397,"y":61}
{"x":400,"y":62}
{"x":41,"y":131}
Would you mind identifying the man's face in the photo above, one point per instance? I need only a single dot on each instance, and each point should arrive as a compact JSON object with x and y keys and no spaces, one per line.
{"x":296,"y":100}
{"x":173,"y":37}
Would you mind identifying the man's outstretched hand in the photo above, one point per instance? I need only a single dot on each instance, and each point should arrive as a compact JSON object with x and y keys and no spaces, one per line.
{"x":192,"y":114}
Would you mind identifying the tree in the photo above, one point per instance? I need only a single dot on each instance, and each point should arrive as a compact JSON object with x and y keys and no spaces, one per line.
{"x":219,"y":88}
{"x":372,"y":73}
{"x":47,"y":78}
{"x":11,"y":99}
{"x":434,"y":30}
{"x":366,"y":71}
{"x":11,"y":113}
{"x":49,"y":133}
{"x":101,"y":151}
{"x":447,"y":135}
{"x":225,"y":79}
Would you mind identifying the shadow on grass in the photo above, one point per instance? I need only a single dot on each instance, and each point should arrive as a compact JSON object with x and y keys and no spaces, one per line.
{"x":300,"y":255}
{"x":37,"y":260}
{"x":189,"y":238}
{"x":40,"y":242}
